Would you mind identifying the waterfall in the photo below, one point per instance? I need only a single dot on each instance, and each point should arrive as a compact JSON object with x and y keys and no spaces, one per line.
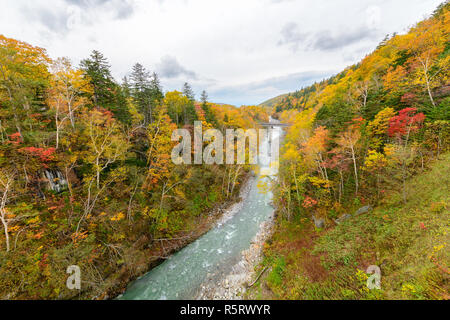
{"x":57,"y":181}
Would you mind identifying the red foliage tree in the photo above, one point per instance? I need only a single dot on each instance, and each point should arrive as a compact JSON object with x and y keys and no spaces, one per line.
{"x":15,"y":138}
{"x":44,"y":155}
{"x":405,"y":123}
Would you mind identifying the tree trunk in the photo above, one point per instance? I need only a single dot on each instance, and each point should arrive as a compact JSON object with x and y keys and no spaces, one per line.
{"x":356,"y":170}
{"x":6,"y":184}
{"x":71,"y":116}
{"x":235,"y":178}
{"x":98,"y":173}
{"x":427,"y":81}
{"x":296,"y":186}
{"x":1,"y":132}
{"x":5,"y":227}
{"x":57,"y":132}
{"x":404,"y":182}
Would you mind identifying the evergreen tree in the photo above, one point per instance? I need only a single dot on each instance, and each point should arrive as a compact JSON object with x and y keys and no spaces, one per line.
{"x":209,"y":115}
{"x":146,"y":92}
{"x":188,"y":92}
{"x":98,"y":70}
{"x":204,"y":98}
{"x":189,"y":112}
{"x":126,"y":87}
{"x":107,"y":94}
{"x":156,"y":91}
{"x":140,"y":91}
{"x":120,"y":108}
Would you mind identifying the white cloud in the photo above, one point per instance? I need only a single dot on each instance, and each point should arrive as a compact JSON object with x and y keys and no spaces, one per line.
{"x":232,"y":48}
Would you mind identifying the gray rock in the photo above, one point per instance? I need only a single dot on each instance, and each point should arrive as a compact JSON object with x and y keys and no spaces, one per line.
{"x":363,"y":210}
{"x":319,"y":223}
{"x":343,"y":218}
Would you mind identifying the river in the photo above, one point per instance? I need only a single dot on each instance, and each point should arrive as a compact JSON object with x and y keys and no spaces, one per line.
{"x":213,"y":255}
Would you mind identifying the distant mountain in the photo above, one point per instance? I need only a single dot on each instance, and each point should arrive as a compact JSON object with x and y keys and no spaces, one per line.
{"x":274,"y":101}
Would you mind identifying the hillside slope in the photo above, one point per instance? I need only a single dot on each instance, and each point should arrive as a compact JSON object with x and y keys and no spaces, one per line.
{"x":409,"y":242}
{"x":405,"y":70}
{"x":274,"y":101}
{"x":355,"y":141}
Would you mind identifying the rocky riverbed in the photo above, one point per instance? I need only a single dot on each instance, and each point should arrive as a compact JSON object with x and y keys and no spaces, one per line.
{"x":234,"y":284}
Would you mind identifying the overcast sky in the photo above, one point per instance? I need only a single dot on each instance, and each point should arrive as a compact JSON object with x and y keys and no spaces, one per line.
{"x":240,"y":51}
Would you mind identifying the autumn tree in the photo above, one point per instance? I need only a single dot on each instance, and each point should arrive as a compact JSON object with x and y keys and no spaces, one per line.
{"x":339,"y":163}
{"x":428,"y":42}
{"x":65,"y":94}
{"x":422,"y":62}
{"x":106,"y":141}
{"x":347,"y":144}
{"x":177,"y":104}
{"x":23,"y":79}
{"x":314,"y":150}
{"x":377,"y":129}
{"x":375,"y":163}
{"x":362,"y":92}
{"x":401,"y":128}
{"x":407,"y":122}
{"x":161,"y":178}
{"x":160,"y":149}
{"x":298,"y":159}
{"x":105,"y":144}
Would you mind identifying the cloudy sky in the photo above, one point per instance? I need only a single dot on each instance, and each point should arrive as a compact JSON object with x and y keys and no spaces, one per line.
{"x":240,"y":51}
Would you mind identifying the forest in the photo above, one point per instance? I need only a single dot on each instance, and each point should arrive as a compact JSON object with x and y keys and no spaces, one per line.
{"x":86,"y":176}
{"x":87,"y":179}
{"x":355,"y":142}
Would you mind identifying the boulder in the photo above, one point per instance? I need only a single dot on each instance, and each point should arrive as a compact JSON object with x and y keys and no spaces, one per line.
{"x":319,"y":223}
{"x":347,"y":216}
{"x":363,"y":210}
{"x":343,"y":218}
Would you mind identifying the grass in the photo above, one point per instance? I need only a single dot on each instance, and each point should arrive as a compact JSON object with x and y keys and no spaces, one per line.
{"x":409,"y":242}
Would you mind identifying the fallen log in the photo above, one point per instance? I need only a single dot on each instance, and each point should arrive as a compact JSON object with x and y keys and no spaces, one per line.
{"x":262,"y":272}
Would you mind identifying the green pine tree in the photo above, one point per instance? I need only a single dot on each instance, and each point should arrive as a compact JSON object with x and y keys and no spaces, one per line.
{"x":209,"y":115}
{"x":190,"y":115}
{"x":107,"y":93}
